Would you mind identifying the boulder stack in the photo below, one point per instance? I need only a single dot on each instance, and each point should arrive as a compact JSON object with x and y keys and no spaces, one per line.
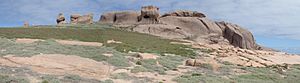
{"x":84,"y":19}
{"x":149,"y":15}
{"x":26,"y":24}
{"x":125,"y":17}
{"x":185,"y":13}
{"x":182,"y":24}
{"x":61,"y":19}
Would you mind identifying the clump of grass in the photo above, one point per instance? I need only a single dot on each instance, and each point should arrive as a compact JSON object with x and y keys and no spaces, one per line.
{"x":67,"y":79}
{"x":139,"y":69}
{"x":134,"y":79}
{"x":50,"y":79}
{"x":151,"y":66}
{"x":108,"y":81}
{"x":200,"y":78}
{"x":11,"y":79}
{"x":171,"y":62}
{"x":159,"y":65}
{"x":124,"y":76}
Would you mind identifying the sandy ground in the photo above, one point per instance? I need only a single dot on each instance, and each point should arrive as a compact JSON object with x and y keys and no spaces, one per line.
{"x":26,"y":40}
{"x":69,"y":42}
{"x":57,"y":64}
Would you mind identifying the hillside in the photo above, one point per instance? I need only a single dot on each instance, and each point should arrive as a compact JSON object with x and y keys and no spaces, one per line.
{"x":101,"y":53}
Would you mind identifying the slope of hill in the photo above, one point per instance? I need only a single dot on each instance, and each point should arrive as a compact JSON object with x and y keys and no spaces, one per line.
{"x":103,"y":54}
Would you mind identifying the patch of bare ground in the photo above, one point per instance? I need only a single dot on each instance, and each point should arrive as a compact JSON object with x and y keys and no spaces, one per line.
{"x":168,"y":77}
{"x":57,"y":64}
{"x":27,"y":40}
{"x":70,"y":42}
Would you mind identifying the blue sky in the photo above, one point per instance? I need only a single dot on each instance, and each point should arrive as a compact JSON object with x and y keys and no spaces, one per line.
{"x":275,"y":23}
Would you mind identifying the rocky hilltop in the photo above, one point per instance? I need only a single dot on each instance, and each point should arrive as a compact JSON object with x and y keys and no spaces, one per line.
{"x":181,"y":24}
{"x":183,"y":47}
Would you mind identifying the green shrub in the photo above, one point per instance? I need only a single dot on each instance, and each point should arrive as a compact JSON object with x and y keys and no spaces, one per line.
{"x":138,"y":69}
{"x":171,"y":62}
{"x":11,"y":79}
{"x":151,"y":66}
{"x":199,"y":78}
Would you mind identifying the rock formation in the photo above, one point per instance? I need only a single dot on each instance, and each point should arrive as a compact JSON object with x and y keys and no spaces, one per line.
{"x":26,"y":24}
{"x":126,"y":17}
{"x":149,"y":15}
{"x":84,"y":19}
{"x":185,"y":13}
{"x":182,"y":24}
{"x":61,"y":19}
{"x":238,"y":36}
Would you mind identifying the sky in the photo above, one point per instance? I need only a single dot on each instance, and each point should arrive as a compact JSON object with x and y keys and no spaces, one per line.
{"x":274,"y":23}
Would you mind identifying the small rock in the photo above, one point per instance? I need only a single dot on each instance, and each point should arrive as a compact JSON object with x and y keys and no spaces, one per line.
{"x":113,"y":41}
{"x":250,"y":52}
{"x":147,"y":56}
{"x":190,"y":62}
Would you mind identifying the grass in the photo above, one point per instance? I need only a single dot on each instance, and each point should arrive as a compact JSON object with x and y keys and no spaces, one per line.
{"x":9,"y":47}
{"x":166,"y":62}
{"x":134,"y":79}
{"x":199,"y":78}
{"x":254,"y":75}
{"x":151,"y":66}
{"x":11,"y":79}
{"x":269,"y":75}
{"x":171,"y":62}
{"x":68,"y":79}
{"x":132,"y":41}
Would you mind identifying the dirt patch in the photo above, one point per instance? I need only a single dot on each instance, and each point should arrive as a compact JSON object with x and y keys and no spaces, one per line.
{"x":57,"y":64}
{"x":26,"y":40}
{"x":280,"y":59}
{"x":69,"y":42}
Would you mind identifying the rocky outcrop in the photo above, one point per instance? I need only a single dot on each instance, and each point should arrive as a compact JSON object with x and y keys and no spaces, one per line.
{"x":84,"y":19}
{"x":185,"y":13}
{"x":182,"y":24}
{"x":126,"y":17}
{"x":61,"y":19}
{"x":238,"y":36}
{"x":149,"y":15}
{"x":26,"y":24}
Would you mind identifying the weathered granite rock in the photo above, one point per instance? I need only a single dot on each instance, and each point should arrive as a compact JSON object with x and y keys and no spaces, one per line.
{"x":182,"y":24}
{"x":61,"y":19}
{"x":26,"y":24}
{"x":149,"y":15}
{"x":125,"y":17}
{"x":238,"y":36}
{"x":185,"y":13}
{"x":84,"y":19}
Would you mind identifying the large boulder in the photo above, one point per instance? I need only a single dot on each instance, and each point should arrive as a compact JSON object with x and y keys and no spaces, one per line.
{"x":125,"y":17}
{"x":198,"y":28}
{"x":81,"y":19}
{"x":185,"y":13}
{"x":162,"y":30}
{"x":61,"y":19}
{"x":182,"y":24}
{"x":238,"y":36}
{"x":149,"y":15}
